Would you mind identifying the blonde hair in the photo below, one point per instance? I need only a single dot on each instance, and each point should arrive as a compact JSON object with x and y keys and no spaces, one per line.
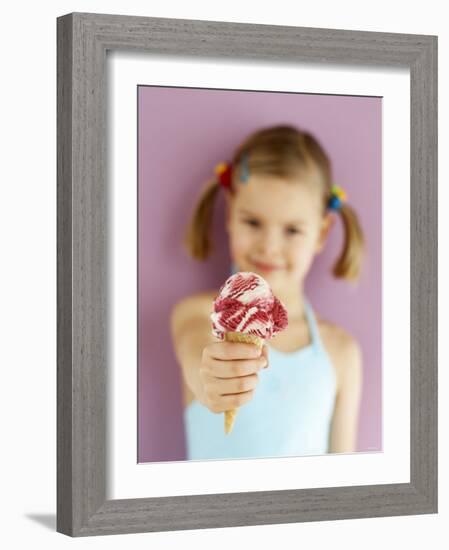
{"x":286,"y":152}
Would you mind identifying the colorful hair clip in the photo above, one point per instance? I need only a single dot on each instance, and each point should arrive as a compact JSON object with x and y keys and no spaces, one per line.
{"x":244,"y":170}
{"x":337,"y":198}
{"x":224,"y":172}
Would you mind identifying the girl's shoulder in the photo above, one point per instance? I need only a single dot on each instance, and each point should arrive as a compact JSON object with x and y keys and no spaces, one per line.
{"x":343,"y":348}
{"x":335,"y":335}
{"x":198,"y":304}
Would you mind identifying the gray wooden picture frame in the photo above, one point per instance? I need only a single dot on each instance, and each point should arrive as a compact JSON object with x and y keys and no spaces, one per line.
{"x":82,"y":283}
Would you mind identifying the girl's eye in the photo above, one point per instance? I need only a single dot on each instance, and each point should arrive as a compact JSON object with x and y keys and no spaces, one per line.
{"x":290,"y":230}
{"x":253,"y":223}
{"x":293,"y":231}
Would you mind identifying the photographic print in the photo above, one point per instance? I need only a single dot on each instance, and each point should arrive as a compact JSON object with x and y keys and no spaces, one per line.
{"x":282,"y":194}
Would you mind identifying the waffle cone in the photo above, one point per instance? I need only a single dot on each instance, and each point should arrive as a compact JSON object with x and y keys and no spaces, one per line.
{"x":248,"y":339}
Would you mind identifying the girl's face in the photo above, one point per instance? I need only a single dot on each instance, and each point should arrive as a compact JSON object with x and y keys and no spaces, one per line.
{"x":275,"y":228}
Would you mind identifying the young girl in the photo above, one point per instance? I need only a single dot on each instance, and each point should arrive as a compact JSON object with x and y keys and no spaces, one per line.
{"x":280,"y":206}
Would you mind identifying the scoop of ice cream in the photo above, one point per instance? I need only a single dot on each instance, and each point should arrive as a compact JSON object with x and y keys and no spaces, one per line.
{"x":245,"y":303}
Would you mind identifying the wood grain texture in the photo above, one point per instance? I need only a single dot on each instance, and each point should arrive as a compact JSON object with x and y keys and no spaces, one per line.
{"x":82,"y":282}
{"x":64,"y":277}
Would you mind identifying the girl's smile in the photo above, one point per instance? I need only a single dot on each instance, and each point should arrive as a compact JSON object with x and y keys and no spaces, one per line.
{"x":266,"y":267}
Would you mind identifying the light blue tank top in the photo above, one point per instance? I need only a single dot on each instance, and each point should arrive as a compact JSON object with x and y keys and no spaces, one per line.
{"x":289,"y":415}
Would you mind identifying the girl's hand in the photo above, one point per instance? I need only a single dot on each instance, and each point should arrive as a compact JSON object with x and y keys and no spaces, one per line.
{"x":228,"y":374}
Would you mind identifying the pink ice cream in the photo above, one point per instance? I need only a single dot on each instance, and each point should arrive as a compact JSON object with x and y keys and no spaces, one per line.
{"x":245,"y":303}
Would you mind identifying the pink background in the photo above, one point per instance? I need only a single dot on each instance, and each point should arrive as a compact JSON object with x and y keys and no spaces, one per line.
{"x":183,"y":133}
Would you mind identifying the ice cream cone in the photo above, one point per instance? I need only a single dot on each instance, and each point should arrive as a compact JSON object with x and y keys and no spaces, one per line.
{"x":245,"y":338}
{"x":246,"y":310}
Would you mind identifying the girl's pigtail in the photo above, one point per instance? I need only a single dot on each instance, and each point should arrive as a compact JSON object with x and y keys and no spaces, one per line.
{"x":349,"y":264}
{"x":197,"y":238}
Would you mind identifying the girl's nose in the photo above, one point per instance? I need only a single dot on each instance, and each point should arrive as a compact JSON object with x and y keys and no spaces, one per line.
{"x":270,"y":243}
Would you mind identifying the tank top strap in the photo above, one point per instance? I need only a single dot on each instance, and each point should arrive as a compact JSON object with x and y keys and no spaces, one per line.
{"x":313,"y":326}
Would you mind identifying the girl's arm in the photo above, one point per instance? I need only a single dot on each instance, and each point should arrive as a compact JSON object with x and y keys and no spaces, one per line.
{"x":346,"y":412}
{"x":191,"y":331}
